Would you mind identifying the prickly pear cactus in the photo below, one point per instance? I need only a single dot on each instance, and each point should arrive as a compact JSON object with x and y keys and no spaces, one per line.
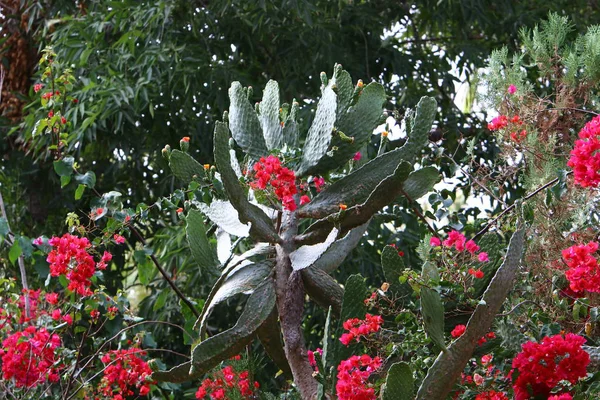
{"x":286,"y":263}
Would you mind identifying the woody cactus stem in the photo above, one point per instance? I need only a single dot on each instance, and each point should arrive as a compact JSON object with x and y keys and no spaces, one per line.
{"x":290,"y":305}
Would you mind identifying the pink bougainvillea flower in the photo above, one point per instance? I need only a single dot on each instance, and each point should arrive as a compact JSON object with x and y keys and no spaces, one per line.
{"x":483,"y":257}
{"x":357,"y":156}
{"x":471,"y":247}
{"x":435,"y":242}
{"x":512,"y":89}
{"x":118,"y":239}
{"x":455,"y":239}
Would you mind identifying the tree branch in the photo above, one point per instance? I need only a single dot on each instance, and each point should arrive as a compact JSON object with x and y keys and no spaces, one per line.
{"x":164,"y":273}
{"x":290,"y":306}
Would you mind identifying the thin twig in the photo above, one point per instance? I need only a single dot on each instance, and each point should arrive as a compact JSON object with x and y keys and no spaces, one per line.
{"x":512,"y":206}
{"x":419,"y":214}
{"x":476,"y":181}
{"x":110,"y":340}
{"x":164,"y":273}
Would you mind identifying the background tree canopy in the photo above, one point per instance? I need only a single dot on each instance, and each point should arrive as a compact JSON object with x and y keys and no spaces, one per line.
{"x":149,"y":73}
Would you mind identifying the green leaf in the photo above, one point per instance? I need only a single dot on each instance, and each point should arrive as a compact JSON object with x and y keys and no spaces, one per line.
{"x":209,"y":353}
{"x":269,"y":116}
{"x":25,"y":245}
{"x":88,"y":179}
{"x":64,"y":167}
{"x":64,"y":180}
{"x":421,"y":182}
{"x":243,"y":279}
{"x":399,"y":383}
{"x":79,"y":191}
{"x":204,"y":254}
{"x":262,"y":226}
{"x":14,"y":252}
{"x":145,"y":267}
{"x":244,"y":124}
{"x":446,"y":369}
{"x":433,"y":315}
{"x":161,"y":299}
{"x":320,"y":132}
{"x":184,"y":167}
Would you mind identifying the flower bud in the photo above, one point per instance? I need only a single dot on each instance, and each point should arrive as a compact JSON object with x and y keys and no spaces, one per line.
{"x":184,"y":143}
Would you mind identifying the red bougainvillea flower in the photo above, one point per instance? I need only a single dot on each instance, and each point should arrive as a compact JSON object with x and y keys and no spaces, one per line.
{"x":225,"y":381}
{"x":28,"y":357}
{"x":542,"y":366}
{"x":268,"y":171}
{"x":353,"y":375}
{"x":47,"y":96}
{"x":357,"y":156}
{"x":458,"y":331}
{"x":304,"y":199}
{"x":584,"y":272}
{"x":498,"y":123}
{"x":124,"y":371}
{"x":70,"y":257}
{"x":585,"y":157}
{"x":477,"y":273}
{"x":359,"y":327}
{"x":491,"y":395}
{"x":52,"y":298}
